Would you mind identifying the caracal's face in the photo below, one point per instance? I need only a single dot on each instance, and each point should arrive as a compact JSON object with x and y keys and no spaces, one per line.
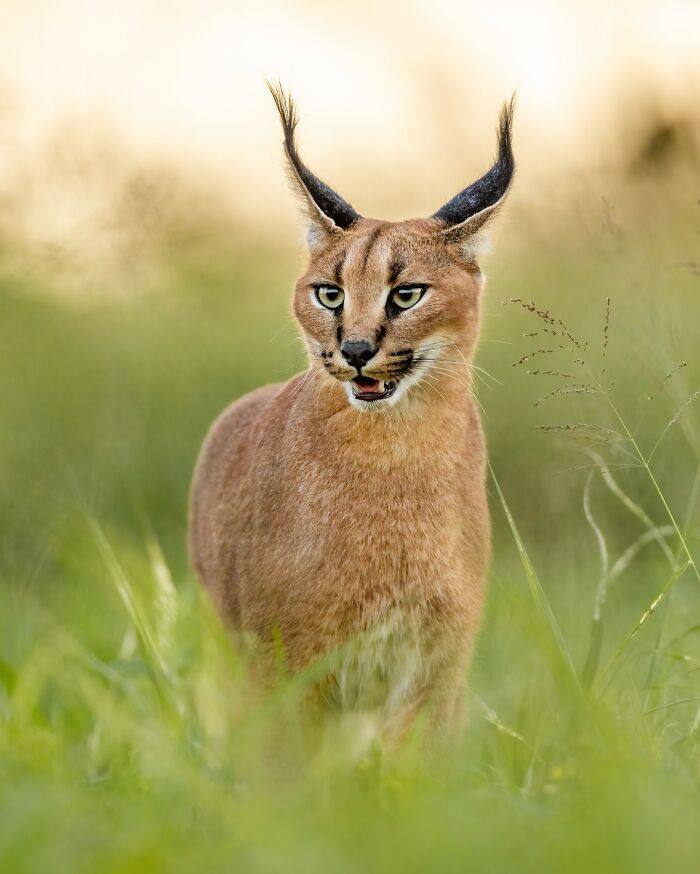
{"x":384,"y":304}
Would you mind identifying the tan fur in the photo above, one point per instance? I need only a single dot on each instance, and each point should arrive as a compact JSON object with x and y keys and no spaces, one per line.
{"x":327,"y":522}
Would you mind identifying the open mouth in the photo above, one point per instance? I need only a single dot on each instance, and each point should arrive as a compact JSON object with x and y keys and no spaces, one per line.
{"x":366,"y":389}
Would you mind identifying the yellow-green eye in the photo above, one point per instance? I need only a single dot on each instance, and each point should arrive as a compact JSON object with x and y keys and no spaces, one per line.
{"x":330,"y":296}
{"x":407,"y":296}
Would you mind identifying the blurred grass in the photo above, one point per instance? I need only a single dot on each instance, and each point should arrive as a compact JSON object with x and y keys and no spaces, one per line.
{"x":127,"y":742}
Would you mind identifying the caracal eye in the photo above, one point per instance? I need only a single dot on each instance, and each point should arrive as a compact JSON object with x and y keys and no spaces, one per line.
{"x":330,"y":296}
{"x":407,"y":296}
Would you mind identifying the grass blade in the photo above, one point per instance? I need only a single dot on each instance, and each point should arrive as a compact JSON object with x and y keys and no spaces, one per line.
{"x":632,"y":633}
{"x":536,"y":590}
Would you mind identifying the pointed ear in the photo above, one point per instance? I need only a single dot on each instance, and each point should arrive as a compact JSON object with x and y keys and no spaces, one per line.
{"x":468,"y":211}
{"x":326,"y":212}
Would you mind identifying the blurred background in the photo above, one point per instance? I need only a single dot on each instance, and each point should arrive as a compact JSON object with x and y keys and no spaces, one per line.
{"x":148,"y":241}
{"x":103,"y":104}
{"x":148,"y":248}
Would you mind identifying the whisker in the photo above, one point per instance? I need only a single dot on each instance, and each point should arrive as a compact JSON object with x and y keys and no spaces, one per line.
{"x":302,"y":382}
{"x":453,"y":375}
{"x":435,"y":388}
{"x":448,"y":344}
{"x":468,"y":386}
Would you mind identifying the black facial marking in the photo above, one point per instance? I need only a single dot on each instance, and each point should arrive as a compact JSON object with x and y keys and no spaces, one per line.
{"x":401,"y":368}
{"x":399,"y":365}
{"x":339,"y":332}
{"x":392,"y":310}
{"x":401,"y":352}
{"x":395,"y":268}
{"x":338,"y":271}
{"x":373,"y":237}
{"x":381,"y":333}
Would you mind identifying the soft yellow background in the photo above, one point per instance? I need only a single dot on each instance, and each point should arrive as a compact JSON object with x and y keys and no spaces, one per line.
{"x":398,"y":99}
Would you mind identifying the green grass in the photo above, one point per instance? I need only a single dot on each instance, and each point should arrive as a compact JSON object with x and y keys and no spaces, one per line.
{"x":127,"y":739}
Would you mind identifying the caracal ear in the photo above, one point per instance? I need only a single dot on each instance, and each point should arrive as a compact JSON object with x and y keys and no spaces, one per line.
{"x":326,"y":213}
{"x":467,"y":212}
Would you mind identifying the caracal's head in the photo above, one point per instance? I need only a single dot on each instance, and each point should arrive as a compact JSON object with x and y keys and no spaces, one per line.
{"x":385,"y":304}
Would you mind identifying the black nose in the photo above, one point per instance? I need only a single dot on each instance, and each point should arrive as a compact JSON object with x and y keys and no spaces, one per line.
{"x":357,"y":352}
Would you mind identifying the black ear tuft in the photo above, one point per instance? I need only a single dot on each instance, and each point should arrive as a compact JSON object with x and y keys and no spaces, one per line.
{"x":486,"y":192}
{"x":311,"y":187}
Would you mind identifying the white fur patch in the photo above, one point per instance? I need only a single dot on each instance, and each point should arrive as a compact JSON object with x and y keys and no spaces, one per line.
{"x":477,"y":245}
{"x":383,"y":668}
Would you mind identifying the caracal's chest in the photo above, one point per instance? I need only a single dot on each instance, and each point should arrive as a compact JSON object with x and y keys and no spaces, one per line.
{"x":385,"y":665}
{"x":358,"y":549}
{"x":375,"y":546}
{"x":366,"y":524}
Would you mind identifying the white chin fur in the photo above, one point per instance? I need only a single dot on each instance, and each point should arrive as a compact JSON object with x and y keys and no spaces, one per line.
{"x":402,"y":389}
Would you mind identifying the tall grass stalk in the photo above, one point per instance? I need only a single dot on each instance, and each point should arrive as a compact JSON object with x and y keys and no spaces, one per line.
{"x":537,"y":592}
{"x":645,"y":464}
